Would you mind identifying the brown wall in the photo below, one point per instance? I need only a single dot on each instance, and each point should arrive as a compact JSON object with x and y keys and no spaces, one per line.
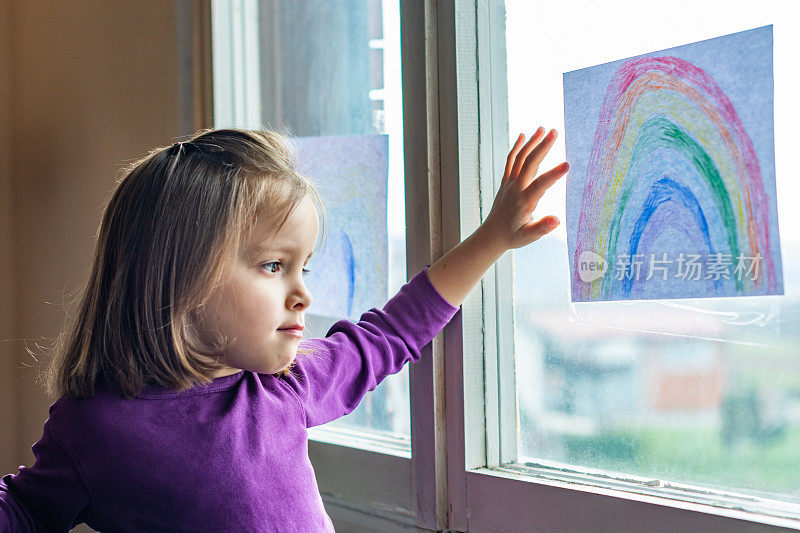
{"x":8,"y":390}
{"x":84,"y":87}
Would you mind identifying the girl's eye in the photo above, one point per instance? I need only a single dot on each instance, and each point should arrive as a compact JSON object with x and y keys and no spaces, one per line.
{"x":269,"y":266}
{"x":273,"y":267}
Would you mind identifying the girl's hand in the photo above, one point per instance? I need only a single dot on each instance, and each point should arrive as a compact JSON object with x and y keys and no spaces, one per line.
{"x":510,"y":224}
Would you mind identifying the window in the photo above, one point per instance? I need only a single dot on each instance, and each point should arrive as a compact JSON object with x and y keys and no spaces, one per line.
{"x":689,"y":400}
{"x":346,"y":95}
{"x":328,"y":75}
{"x":528,"y":412}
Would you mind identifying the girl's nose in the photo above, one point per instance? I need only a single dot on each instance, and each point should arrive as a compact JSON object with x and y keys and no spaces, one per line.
{"x":300,"y":296}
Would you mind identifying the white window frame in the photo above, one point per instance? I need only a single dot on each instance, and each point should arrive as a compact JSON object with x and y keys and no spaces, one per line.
{"x":462,"y":389}
{"x":236,"y":60}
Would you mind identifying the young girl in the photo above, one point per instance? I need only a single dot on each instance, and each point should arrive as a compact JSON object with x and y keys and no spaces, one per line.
{"x":184,"y":389}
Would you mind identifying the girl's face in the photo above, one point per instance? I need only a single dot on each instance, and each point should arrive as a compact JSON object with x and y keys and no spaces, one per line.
{"x":265,"y":296}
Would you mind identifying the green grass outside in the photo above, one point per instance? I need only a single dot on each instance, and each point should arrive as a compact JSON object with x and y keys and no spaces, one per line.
{"x":695,"y":456}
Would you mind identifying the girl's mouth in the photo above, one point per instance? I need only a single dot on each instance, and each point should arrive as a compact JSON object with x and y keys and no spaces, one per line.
{"x":293,"y":332}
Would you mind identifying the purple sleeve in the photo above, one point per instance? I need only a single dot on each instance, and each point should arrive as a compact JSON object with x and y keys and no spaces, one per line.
{"x":50,"y":496}
{"x":354,"y":358}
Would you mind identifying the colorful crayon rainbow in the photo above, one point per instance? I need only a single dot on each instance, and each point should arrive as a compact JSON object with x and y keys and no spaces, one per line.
{"x":658,"y":105}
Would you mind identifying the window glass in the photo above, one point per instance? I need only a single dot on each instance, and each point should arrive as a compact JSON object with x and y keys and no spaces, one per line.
{"x":701,"y":392}
{"x":328,"y":74}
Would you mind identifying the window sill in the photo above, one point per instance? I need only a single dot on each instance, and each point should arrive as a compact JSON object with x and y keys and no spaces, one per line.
{"x":505,"y":498}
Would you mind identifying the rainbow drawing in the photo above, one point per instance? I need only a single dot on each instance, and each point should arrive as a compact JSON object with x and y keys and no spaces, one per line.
{"x":671,"y":192}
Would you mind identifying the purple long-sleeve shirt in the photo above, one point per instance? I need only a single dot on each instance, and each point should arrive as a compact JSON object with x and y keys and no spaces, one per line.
{"x":231,"y":455}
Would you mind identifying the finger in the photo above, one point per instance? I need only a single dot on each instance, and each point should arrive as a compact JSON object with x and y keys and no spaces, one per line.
{"x":536,"y":230}
{"x":546,"y":180}
{"x":524,"y":151}
{"x":535,"y":158}
{"x":523,"y":154}
{"x":512,"y":155}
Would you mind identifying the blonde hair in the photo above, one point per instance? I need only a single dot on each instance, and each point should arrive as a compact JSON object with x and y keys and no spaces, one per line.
{"x":173,"y":222}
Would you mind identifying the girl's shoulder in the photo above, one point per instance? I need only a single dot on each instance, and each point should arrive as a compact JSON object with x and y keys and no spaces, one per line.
{"x":68,"y":409}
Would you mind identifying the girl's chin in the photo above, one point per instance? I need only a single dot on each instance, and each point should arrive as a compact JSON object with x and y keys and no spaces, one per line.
{"x":272,"y":366}
{"x":280,"y":365}
{"x":226,"y":372}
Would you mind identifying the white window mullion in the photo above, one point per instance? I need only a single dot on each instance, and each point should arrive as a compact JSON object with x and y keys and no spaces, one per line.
{"x":235,"y":53}
{"x":501,"y":404}
{"x":494,"y":134}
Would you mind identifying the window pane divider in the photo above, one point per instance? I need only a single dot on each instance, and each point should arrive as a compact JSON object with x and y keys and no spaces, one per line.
{"x":421,"y":141}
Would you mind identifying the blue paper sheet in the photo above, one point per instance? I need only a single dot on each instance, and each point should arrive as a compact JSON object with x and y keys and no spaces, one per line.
{"x":348,"y":274}
{"x":671,"y":190}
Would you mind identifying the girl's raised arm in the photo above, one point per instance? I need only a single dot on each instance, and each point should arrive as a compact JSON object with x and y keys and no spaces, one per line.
{"x":509,"y":224}
{"x":354,"y":358}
